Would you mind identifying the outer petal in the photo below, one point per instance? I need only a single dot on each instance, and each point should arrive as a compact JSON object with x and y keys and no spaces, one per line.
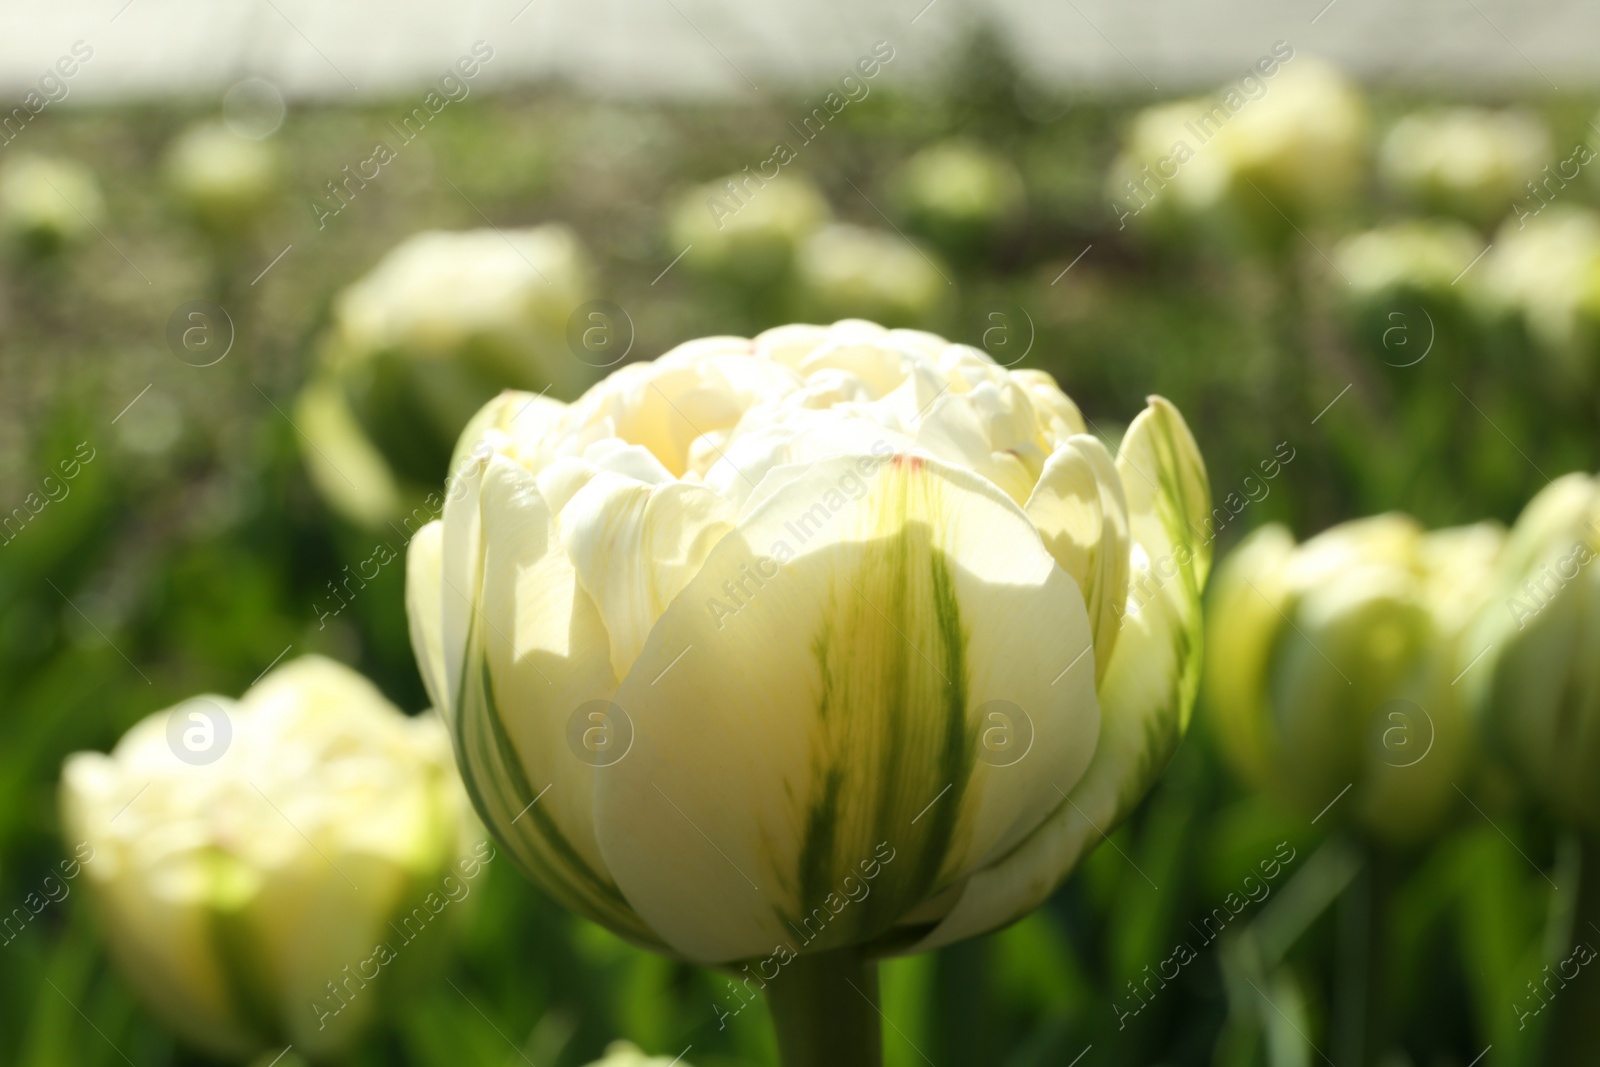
{"x":1079,"y":508}
{"x":535,"y":655}
{"x":424,"y":611}
{"x":1149,"y":687}
{"x":823,"y":728}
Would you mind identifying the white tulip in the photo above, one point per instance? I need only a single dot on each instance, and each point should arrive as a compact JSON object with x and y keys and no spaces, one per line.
{"x":747,"y":227}
{"x":1420,"y":256}
{"x":848,"y":269}
{"x":444,"y":322}
{"x":438,"y":291}
{"x":1331,"y":665}
{"x":1468,"y":160}
{"x":247,"y":854}
{"x":1537,"y":685}
{"x":840,"y":637}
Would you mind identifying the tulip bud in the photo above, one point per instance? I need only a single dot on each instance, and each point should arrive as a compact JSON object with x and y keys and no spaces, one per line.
{"x":746,"y":228}
{"x":48,"y":204}
{"x":959,"y":194}
{"x":840,"y":638}
{"x":224,"y":179}
{"x":249,"y":855}
{"x":1468,"y":161}
{"x":851,"y":270}
{"x":441,"y":325}
{"x":1539,"y":683}
{"x":1331,"y":666}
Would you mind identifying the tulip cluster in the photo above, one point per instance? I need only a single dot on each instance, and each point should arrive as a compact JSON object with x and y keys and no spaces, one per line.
{"x":774,"y":240}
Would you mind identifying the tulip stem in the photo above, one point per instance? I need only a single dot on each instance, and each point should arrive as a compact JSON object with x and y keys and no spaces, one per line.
{"x":825,"y":1008}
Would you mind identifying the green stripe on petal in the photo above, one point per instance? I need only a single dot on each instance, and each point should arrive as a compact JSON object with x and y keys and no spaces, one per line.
{"x":532,"y":650}
{"x":1149,"y":686}
{"x":811,"y":712}
{"x":1080,"y":510}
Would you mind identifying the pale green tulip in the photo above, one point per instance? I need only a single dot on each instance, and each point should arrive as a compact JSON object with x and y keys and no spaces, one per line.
{"x":1541,"y":677}
{"x":1331,"y":665}
{"x":248,"y":856}
{"x":837,"y":638}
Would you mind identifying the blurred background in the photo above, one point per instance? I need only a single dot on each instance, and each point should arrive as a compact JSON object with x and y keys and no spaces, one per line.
{"x":1357,"y":245}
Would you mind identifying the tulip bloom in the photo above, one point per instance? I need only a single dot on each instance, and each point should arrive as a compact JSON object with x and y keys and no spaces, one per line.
{"x":226,"y":180}
{"x":248,"y":855}
{"x":1331,"y":664}
{"x":1539,"y":686}
{"x":832,"y":644}
{"x":438,"y":327}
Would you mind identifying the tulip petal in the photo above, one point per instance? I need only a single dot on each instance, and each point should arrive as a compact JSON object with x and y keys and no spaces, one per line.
{"x":1149,"y":687}
{"x":635,"y":545}
{"x":825,"y":711}
{"x":424,"y":611}
{"x":1079,"y":508}
{"x":536,"y":653}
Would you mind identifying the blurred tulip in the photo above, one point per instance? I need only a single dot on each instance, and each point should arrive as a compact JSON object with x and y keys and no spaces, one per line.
{"x":1468,"y":161}
{"x":1541,"y":677}
{"x":1409,"y":259}
{"x":1158,"y":173}
{"x":1294,"y":142}
{"x":850,"y":270}
{"x":248,"y":854}
{"x":48,"y":204}
{"x":1331,"y":663}
{"x":746,"y":229}
{"x":442,"y":324}
{"x":839,"y":639}
{"x":225,"y":180}
{"x":624,"y":1054}
{"x":959,"y":194}
{"x":1304,"y":143}
{"x":1546,"y":272}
